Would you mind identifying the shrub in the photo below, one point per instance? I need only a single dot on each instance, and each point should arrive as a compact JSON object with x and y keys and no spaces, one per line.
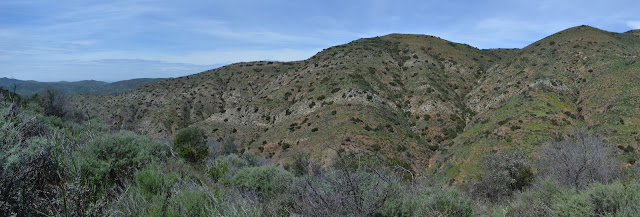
{"x":263,"y":179}
{"x":253,"y":159}
{"x":405,"y":204}
{"x":299,"y":164}
{"x":429,"y":202}
{"x":54,"y":103}
{"x":505,"y":173}
{"x":529,"y":205}
{"x":348,"y":189}
{"x":192,"y":202}
{"x":153,"y":182}
{"x":183,"y":200}
{"x":26,"y":176}
{"x":450,"y":203}
{"x":113,"y":158}
{"x":578,"y":161}
{"x":224,"y":167}
{"x":156,"y":193}
{"x":191,"y":144}
{"x":570,"y":203}
{"x":229,"y":146}
{"x":615,"y":199}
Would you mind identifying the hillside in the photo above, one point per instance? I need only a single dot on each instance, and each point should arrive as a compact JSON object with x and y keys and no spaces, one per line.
{"x":28,"y":88}
{"x":415,"y":100}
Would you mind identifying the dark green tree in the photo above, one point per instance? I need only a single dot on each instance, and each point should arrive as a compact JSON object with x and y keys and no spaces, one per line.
{"x":191,"y":144}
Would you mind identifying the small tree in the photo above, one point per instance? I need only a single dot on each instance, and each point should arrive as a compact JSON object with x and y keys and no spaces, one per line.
{"x":299,"y":164}
{"x":191,"y":144}
{"x":54,"y":103}
{"x":505,"y":173}
{"x":578,"y":161}
{"x":349,"y":188}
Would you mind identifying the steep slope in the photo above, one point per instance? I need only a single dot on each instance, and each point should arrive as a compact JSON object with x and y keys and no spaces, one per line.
{"x":413,"y":100}
{"x":399,"y":95}
{"x":580,"y":77}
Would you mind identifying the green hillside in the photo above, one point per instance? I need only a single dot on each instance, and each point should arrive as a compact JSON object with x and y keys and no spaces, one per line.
{"x":418,"y":100}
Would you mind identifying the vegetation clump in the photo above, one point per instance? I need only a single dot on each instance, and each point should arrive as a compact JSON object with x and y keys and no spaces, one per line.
{"x":505,"y":173}
{"x":191,"y":144}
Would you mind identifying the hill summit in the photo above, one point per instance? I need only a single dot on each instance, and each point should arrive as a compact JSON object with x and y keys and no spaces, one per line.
{"x":414,"y":100}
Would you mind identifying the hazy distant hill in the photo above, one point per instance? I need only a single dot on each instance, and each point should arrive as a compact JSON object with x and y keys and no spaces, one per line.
{"x":413,"y":99}
{"x":28,"y":88}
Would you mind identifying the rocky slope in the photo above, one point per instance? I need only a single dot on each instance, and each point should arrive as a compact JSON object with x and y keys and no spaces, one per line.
{"x":414,"y":100}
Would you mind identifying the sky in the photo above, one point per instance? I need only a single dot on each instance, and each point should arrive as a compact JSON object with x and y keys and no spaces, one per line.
{"x":114,"y":40}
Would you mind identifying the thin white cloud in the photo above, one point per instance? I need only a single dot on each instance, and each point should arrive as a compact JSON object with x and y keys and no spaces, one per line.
{"x":105,"y":70}
{"x":198,"y":57}
{"x":244,"y":55}
{"x":230,"y":31}
{"x":488,"y":33}
{"x":512,"y":27}
{"x":635,"y":24}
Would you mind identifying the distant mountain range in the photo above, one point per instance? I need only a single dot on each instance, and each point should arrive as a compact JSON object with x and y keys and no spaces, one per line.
{"x":29,"y":88}
{"x":411,"y":99}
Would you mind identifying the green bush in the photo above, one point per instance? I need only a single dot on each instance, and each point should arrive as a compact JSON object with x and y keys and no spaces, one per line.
{"x":299,"y":164}
{"x":114,"y":158}
{"x":264,"y":179}
{"x":253,"y":159}
{"x":54,"y":103}
{"x":615,"y":199}
{"x":192,"y":202}
{"x":431,"y":202}
{"x":27,"y":173}
{"x":152,"y":182}
{"x":224,"y":167}
{"x":569,"y":203}
{"x":505,"y":173}
{"x":529,"y":205}
{"x":405,"y":204}
{"x":191,"y":144}
{"x":450,"y":203}
{"x":229,"y":146}
{"x":157,"y":193}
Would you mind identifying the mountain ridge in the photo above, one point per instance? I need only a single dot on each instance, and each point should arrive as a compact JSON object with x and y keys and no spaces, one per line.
{"x":414,"y":100}
{"x":28,"y":88}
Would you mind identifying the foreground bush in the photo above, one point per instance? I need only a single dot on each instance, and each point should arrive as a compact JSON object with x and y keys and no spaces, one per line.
{"x":429,"y":202}
{"x":350,"y":188}
{"x":529,"y":205}
{"x":28,"y":176}
{"x":156,"y":193}
{"x":225,"y":167}
{"x":550,"y":199}
{"x":263,"y":179}
{"x":114,"y":158}
{"x":505,"y":173}
{"x":578,"y":161}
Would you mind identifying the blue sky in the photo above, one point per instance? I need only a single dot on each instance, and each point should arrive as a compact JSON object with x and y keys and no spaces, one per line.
{"x":123,"y":39}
